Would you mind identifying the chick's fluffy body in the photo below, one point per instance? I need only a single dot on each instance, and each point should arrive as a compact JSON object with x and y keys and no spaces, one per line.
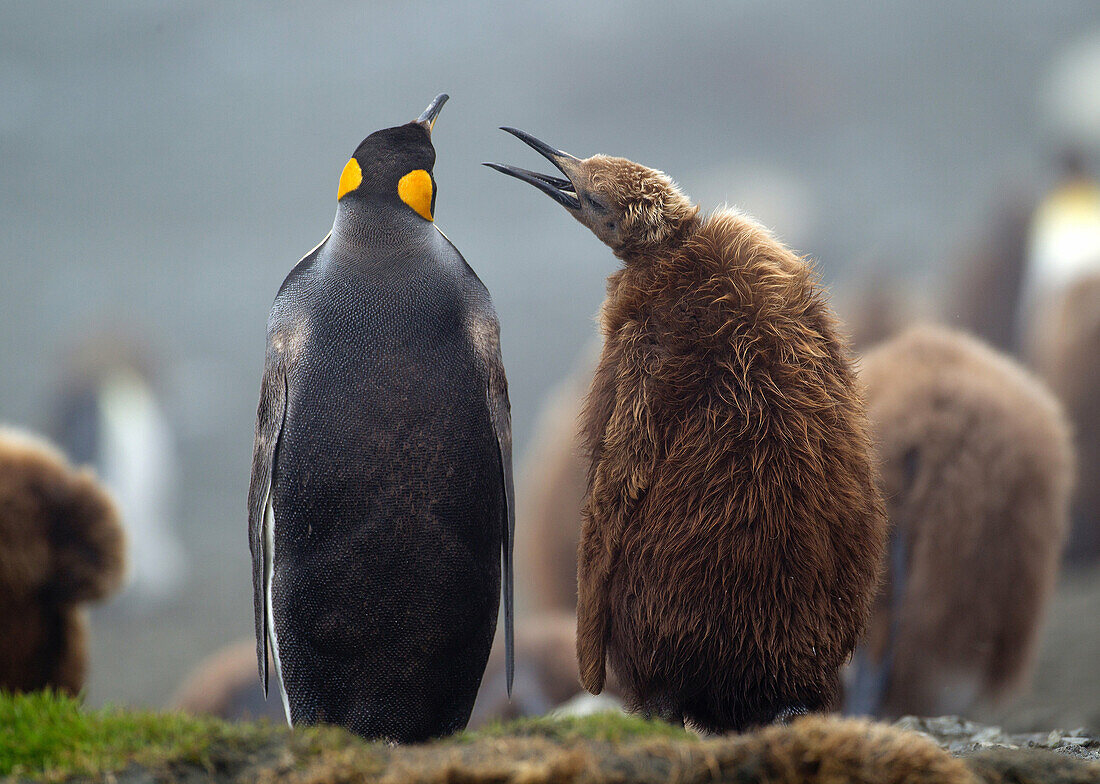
{"x":732,"y":530}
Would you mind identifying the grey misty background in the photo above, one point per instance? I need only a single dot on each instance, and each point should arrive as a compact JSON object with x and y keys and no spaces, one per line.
{"x":163,"y":165}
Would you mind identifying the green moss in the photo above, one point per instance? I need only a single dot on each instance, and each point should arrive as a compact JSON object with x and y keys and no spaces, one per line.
{"x":613,"y":727}
{"x":51,"y":737}
{"x":45,"y":735}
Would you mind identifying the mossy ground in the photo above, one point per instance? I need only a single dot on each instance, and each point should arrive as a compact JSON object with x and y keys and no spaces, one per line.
{"x":51,"y":737}
{"x":48,"y":737}
{"x":608,"y":727}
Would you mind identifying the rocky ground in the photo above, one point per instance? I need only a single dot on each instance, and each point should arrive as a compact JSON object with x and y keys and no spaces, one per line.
{"x":962,"y":737}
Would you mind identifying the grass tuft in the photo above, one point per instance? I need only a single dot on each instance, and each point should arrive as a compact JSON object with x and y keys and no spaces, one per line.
{"x":46,"y":735}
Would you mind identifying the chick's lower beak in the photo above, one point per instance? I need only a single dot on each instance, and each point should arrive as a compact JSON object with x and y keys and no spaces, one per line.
{"x":563,"y":191}
{"x":427,"y":119}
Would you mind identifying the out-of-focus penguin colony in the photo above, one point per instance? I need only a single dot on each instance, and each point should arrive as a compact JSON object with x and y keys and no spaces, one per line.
{"x":781,"y":497}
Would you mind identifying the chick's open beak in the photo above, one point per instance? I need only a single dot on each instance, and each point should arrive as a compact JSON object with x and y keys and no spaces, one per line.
{"x":560,"y":190}
{"x":427,"y":119}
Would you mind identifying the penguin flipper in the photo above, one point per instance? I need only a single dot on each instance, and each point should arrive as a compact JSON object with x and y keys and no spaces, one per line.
{"x":620,"y":478}
{"x":269,"y":423}
{"x":503,"y":426}
{"x":484,"y":331}
{"x":501,"y":416}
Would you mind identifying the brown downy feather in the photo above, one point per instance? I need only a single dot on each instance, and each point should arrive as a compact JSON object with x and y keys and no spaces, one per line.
{"x":976,"y":466}
{"x":733,"y":527}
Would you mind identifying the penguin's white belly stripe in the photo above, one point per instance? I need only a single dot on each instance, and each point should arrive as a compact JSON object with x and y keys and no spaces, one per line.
{"x":269,"y":572}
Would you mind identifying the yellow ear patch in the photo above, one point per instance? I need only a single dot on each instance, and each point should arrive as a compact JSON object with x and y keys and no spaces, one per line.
{"x":415,"y":189}
{"x":350,"y":179}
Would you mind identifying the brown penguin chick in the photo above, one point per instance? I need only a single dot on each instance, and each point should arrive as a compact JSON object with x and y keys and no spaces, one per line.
{"x":61,"y":545}
{"x":546,"y":671}
{"x":551,"y":492}
{"x":1064,"y":348}
{"x":976,"y":466}
{"x":733,"y":527}
{"x":224,"y":685}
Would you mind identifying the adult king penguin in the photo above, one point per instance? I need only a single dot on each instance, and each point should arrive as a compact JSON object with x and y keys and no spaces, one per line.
{"x":380,"y":507}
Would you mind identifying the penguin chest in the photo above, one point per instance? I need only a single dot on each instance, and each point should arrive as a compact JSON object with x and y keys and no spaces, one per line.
{"x":387,"y":491}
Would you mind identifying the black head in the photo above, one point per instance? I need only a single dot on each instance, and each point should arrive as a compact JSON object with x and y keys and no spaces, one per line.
{"x":393,"y":167}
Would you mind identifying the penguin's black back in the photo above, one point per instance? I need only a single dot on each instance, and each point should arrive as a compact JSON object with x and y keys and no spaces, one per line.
{"x":387,"y":491}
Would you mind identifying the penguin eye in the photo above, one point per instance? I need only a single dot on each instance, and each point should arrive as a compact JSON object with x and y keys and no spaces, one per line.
{"x":595,"y":205}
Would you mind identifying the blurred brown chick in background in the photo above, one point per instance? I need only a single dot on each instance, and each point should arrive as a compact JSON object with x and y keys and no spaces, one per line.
{"x":546,"y":674}
{"x":224,"y":685}
{"x":551,"y":492}
{"x":61,"y":546}
{"x":976,"y":466}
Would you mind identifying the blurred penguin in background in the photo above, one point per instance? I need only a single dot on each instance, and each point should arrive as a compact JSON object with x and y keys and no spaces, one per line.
{"x":61,"y":546}
{"x":109,"y":417}
{"x":1063,"y":239}
{"x":1064,"y":348}
{"x":546,"y":677}
{"x":875,"y":306}
{"x":976,"y":466}
{"x":224,"y":685}
{"x":985,"y":289}
{"x":552,"y":484}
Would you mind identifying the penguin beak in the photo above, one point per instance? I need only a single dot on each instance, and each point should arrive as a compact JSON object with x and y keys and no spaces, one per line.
{"x":427,"y":118}
{"x":563,"y":191}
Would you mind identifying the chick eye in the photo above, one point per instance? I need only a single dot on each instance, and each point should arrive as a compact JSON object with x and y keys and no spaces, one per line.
{"x":611,"y":224}
{"x":595,"y":205}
